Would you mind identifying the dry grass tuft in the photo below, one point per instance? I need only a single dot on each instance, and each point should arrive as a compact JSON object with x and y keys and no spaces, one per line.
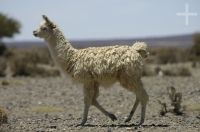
{"x":24,"y":62}
{"x":177,"y":71}
{"x":3,"y":116}
{"x":2,"y":67}
{"x":4,"y":82}
{"x":176,"y":100}
{"x":192,"y":107}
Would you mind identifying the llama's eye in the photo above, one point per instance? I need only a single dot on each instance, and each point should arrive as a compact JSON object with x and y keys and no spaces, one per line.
{"x":44,"y":28}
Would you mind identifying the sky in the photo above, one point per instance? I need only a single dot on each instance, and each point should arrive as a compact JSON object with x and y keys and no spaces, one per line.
{"x":104,"y":19}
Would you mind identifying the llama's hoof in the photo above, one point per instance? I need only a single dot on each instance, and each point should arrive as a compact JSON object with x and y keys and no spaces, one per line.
{"x":140,"y":124}
{"x":127,"y":120}
{"x":112,"y":117}
{"x":81,"y":124}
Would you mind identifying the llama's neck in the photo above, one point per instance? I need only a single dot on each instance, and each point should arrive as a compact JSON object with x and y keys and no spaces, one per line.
{"x":60,"y":48}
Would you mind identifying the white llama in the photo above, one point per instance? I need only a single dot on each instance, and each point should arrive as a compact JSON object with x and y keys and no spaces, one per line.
{"x":97,"y":66}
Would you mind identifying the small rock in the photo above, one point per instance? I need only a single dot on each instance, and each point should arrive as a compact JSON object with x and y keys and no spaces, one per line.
{"x":129,"y":129}
{"x":109,"y":130}
{"x":46,"y":115}
{"x":40,"y":130}
{"x":39,"y":102}
{"x":53,"y":126}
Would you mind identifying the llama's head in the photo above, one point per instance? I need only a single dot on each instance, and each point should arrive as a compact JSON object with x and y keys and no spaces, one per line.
{"x":142,"y":48}
{"x":45,"y":29}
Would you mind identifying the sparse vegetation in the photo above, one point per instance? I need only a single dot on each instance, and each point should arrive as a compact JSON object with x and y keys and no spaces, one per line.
{"x":195,"y":50}
{"x":169,"y":70}
{"x":169,"y":55}
{"x":176,"y":100}
{"x":2,"y":67}
{"x":25,"y":62}
{"x":2,"y":48}
{"x":3,"y":116}
{"x":177,"y":71}
{"x":4,"y":83}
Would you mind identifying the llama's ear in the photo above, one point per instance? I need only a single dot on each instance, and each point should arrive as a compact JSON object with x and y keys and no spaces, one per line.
{"x":48,"y":21}
{"x":46,"y":18}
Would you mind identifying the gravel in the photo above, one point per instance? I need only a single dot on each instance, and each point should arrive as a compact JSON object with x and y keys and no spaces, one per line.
{"x":56,"y":105}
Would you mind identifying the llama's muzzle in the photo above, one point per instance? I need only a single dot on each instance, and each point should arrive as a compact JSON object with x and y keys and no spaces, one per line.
{"x":35,"y":33}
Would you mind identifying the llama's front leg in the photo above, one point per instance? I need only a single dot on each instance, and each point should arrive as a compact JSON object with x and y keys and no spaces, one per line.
{"x":143,"y":111}
{"x":133,"y":110}
{"x":98,"y":106}
{"x":88,"y":95}
{"x":143,"y":100}
{"x":85,"y":114}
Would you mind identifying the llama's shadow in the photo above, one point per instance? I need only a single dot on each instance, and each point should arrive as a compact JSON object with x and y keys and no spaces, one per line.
{"x":126,"y":125}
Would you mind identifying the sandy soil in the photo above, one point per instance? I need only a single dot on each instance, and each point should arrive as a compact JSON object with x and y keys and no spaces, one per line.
{"x":55,"y":104}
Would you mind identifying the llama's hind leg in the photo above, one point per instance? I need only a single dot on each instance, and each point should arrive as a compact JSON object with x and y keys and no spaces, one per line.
{"x":133,"y":110}
{"x":98,"y":106}
{"x":141,"y":97}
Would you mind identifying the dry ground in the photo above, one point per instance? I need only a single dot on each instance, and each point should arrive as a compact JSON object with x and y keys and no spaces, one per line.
{"x":55,"y":104}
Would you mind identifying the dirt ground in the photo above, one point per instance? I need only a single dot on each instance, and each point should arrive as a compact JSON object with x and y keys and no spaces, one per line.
{"x":55,"y":104}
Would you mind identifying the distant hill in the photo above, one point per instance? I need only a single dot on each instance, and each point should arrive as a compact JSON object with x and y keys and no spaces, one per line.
{"x":183,"y":41}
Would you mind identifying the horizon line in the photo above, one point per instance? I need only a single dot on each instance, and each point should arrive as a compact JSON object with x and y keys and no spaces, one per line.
{"x":107,"y":39}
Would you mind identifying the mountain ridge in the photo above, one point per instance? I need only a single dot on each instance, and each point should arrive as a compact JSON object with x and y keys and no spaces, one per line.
{"x":183,"y":41}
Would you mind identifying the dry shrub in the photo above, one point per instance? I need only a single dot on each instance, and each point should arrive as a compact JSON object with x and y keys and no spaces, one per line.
{"x":176,"y":100}
{"x":3,"y":48}
{"x":175,"y":106}
{"x":177,"y":71}
{"x":24,"y":62}
{"x":195,"y":49}
{"x":166,"y":70}
{"x":2,"y":67}
{"x":4,"y":83}
{"x":3,"y":117}
{"x":40,"y":55}
{"x":149,"y":71}
{"x":169,"y":55}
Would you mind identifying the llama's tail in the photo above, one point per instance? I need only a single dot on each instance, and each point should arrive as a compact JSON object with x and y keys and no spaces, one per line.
{"x":141,"y":48}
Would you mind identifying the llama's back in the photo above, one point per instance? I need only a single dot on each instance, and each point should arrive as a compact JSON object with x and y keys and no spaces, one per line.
{"x":106,"y":63}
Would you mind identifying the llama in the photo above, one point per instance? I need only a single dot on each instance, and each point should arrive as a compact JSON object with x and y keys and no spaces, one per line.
{"x":98,"y":66}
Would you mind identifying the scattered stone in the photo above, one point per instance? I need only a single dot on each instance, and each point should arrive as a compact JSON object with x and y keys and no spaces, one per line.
{"x":40,"y":130}
{"x":109,"y":130}
{"x":52,"y":126}
{"x":129,"y":129}
{"x":18,"y":99}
